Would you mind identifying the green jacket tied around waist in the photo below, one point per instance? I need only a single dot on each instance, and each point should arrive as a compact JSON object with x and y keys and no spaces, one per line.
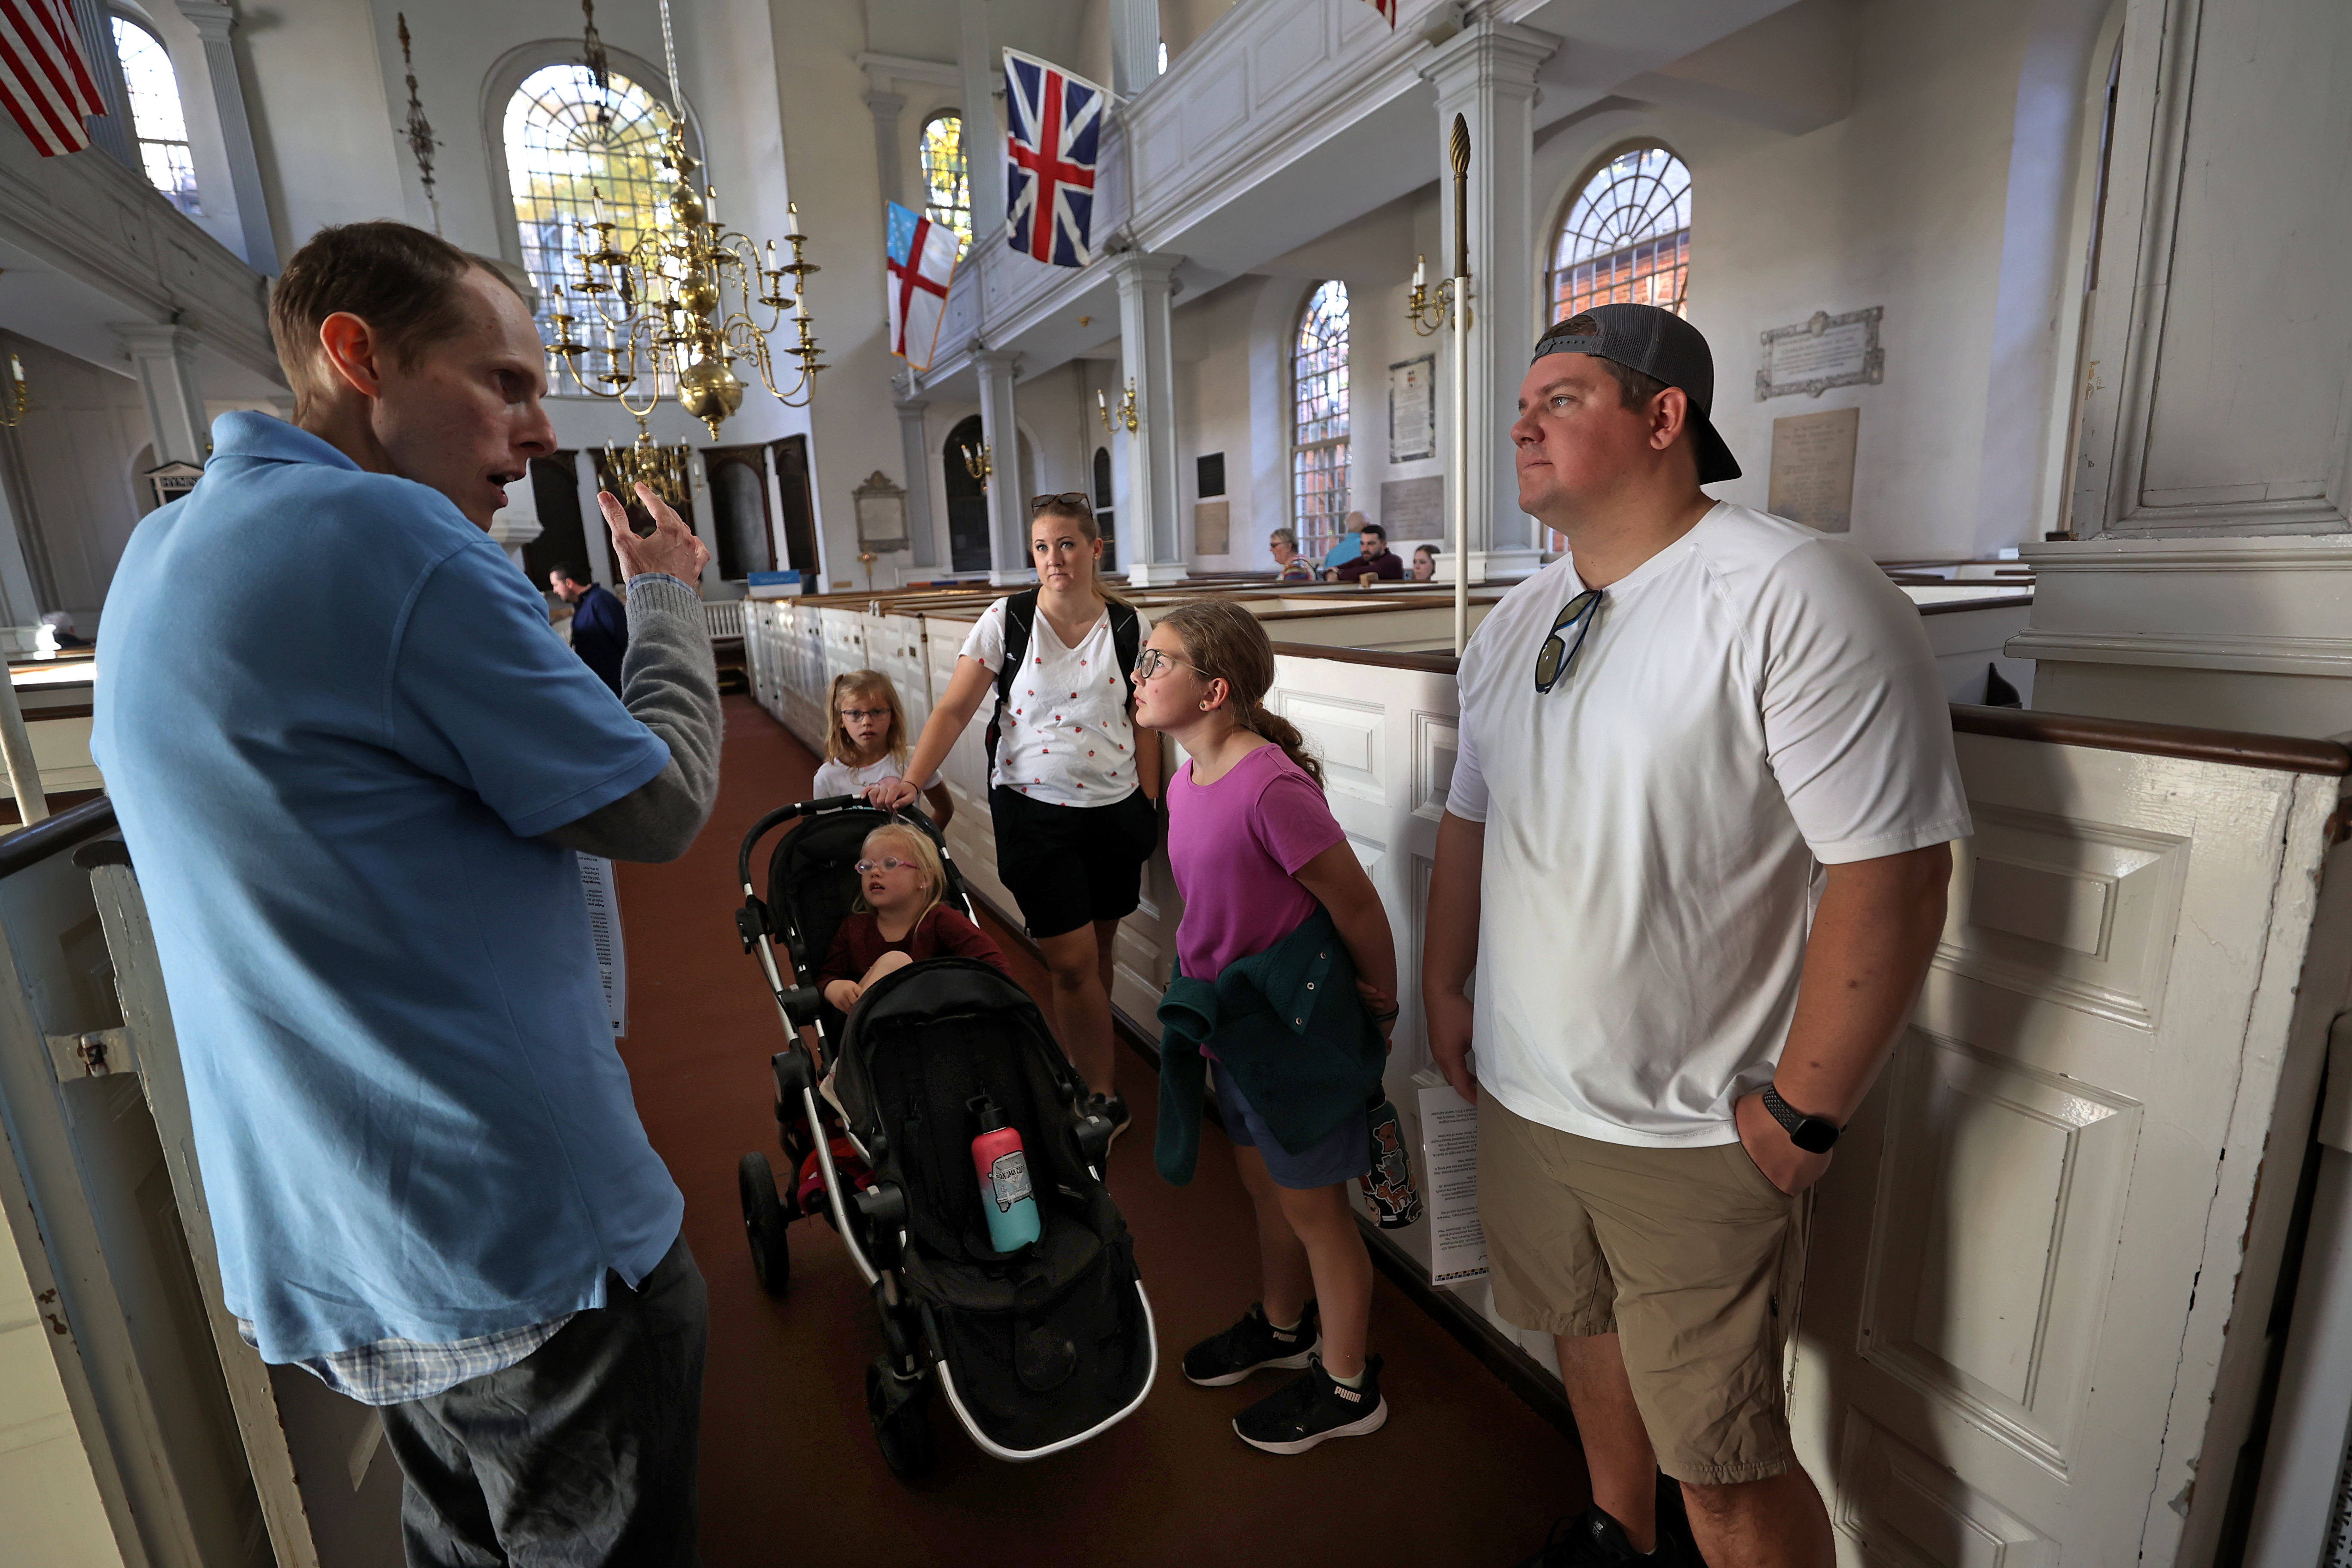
{"x":1287,"y":1024}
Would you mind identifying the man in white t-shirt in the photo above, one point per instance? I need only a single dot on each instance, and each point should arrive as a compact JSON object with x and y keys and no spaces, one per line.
{"x":1672,"y":742}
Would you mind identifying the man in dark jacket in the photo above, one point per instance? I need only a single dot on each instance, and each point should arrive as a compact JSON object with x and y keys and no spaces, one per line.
{"x":600,"y":626}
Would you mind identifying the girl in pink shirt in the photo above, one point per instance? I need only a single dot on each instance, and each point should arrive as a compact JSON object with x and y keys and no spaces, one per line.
{"x":1255,"y":848}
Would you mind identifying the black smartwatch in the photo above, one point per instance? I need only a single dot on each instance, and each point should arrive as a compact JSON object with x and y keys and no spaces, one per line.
{"x":1813,"y":1134}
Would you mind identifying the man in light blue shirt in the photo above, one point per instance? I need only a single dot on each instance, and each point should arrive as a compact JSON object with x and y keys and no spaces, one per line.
{"x":354,"y":804}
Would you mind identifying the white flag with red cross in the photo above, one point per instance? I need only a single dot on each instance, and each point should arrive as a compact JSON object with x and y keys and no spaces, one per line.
{"x":922,"y":260}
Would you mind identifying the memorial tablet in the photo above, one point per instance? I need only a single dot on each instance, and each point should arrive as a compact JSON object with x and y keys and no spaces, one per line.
{"x":1825,"y":351}
{"x":881,"y":514}
{"x":1812,"y":468}
{"x":1413,"y":508}
{"x":1412,"y":409}
{"x":1212,"y":527}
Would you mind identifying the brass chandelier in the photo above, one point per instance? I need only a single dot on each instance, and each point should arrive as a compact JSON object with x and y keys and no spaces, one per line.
{"x":681,"y":303}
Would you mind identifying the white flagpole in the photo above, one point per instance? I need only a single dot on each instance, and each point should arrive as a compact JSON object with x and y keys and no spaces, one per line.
{"x":1459,"y":152}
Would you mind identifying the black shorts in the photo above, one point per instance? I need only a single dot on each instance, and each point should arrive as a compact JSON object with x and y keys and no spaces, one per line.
{"x":1070,"y":866}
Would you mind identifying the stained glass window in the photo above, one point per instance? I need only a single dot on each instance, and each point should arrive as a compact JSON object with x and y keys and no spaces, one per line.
{"x":1319,"y":460}
{"x":1625,"y":238}
{"x":155,"y":115}
{"x":946,"y":178}
{"x":571,"y":147}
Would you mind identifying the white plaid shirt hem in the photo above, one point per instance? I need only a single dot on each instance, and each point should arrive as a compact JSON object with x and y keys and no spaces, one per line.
{"x":394,"y":1372}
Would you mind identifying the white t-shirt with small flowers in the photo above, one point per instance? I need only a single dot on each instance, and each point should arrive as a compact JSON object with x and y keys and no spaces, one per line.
{"x":1064,"y":736}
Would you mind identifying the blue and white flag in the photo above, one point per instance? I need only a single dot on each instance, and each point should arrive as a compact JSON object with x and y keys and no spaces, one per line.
{"x":1049,"y":160}
{"x":922,"y":260}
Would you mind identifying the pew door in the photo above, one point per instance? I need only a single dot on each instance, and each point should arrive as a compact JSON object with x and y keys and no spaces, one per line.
{"x":2040,"y":1265}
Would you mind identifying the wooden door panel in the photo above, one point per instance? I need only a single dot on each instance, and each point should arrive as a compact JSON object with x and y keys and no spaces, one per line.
{"x":2004,"y":1354}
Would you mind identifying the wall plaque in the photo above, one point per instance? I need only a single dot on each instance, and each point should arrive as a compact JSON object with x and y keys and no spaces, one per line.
{"x":1812,"y":468}
{"x":881,"y":514}
{"x":1827,"y":351}
{"x":1212,"y":527}
{"x":172,"y":480}
{"x":1413,"y":508}
{"x":1412,"y":409}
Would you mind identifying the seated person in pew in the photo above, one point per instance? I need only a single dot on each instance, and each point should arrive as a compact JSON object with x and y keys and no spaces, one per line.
{"x":899,"y":919}
{"x":1671,"y":743}
{"x":1275,"y":900}
{"x":1289,"y":566}
{"x":1425,"y":563}
{"x":1373,"y":559}
{"x":866,"y":741}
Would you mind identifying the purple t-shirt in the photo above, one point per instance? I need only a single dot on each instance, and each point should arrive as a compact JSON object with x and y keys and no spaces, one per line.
{"x":1234,"y":846}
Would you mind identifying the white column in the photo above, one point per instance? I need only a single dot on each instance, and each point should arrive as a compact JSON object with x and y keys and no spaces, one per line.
{"x":165,"y":358}
{"x":1487,"y":75}
{"x":1008,"y":521}
{"x":1152,"y":533}
{"x":111,"y":131}
{"x":517,"y":523}
{"x":915,"y":448}
{"x":887,"y":106}
{"x":1134,"y":45}
{"x":983,"y":65}
{"x":214,"y":24}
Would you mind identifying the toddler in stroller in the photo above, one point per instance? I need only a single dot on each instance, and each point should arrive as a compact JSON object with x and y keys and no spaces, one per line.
{"x":1036,"y":1349}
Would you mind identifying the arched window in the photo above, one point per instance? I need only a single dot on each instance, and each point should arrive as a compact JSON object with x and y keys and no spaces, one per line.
{"x":155,"y":116}
{"x":576,"y":151}
{"x":1105,"y":519}
{"x":946,"y":178}
{"x":1625,"y":238}
{"x":1318,"y":446}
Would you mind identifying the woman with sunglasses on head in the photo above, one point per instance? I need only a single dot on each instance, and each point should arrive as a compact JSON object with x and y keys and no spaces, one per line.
{"x":1073,"y":784}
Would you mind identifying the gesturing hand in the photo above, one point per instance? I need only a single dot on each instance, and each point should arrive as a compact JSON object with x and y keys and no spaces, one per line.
{"x":670,"y":548}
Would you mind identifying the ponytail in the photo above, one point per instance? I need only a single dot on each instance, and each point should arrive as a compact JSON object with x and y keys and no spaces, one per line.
{"x":1225,"y":643}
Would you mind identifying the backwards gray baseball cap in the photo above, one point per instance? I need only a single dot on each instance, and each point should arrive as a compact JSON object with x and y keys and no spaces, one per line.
{"x":1661,"y":345}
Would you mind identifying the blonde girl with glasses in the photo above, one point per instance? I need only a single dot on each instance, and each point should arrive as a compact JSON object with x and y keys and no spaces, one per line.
{"x":899,"y":918}
{"x":865,"y":741}
{"x":1073,"y":782}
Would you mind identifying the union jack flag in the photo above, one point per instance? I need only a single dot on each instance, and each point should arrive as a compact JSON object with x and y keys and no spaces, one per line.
{"x":1049,"y":160}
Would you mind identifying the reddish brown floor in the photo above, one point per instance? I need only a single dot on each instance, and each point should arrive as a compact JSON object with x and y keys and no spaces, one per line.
{"x":1463,"y":1473}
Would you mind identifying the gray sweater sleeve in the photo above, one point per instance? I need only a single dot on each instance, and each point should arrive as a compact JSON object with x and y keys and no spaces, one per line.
{"x":671,"y":687}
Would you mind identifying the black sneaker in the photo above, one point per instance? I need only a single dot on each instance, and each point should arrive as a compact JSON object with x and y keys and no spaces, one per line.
{"x":1314,"y":1406}
{"x":1114,"y":1107}
{"x":1595,"y":1540}
{"x":1227,"y":1358}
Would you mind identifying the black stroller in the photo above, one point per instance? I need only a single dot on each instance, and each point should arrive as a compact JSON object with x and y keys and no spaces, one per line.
{"x":1036,"y":1350}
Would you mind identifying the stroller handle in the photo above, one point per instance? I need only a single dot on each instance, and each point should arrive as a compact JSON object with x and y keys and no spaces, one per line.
{"x":784,"y":814}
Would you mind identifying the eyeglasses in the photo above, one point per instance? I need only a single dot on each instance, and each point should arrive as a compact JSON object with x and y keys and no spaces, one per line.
{"x":1077,"y":498}
{"x":1152,"y":661}
{"x":867,"y":867}
{"x":852,"y":715}
{"x":1553,"y":659}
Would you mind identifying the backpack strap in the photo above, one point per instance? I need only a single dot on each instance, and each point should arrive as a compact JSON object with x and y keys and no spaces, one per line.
{"x":1020,"y":618}
{"x":1127,"y":638}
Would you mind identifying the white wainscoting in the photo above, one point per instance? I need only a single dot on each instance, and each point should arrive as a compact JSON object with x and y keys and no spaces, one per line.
{"x":2040,"y":1266}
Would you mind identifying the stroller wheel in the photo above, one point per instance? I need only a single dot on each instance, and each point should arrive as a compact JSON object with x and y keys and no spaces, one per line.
{"x":763,"y":1224}
{"x":901,"y":1412}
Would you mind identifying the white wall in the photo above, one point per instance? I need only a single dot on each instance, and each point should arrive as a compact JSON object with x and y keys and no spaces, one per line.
{"x":1904,"y":203}
{"x":78,"y":455}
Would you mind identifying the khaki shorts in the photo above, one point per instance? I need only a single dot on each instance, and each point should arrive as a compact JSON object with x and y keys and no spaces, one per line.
{"x":1691,"y":1256}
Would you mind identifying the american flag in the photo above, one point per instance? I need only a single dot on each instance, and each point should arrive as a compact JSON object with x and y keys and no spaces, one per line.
{"x":922,"y":264}
{"x":44,"y":80}
{"x":1049,"y":160}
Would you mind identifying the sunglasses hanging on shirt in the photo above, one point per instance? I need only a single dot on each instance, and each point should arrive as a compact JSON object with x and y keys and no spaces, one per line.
{"x":1558,"y":653}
